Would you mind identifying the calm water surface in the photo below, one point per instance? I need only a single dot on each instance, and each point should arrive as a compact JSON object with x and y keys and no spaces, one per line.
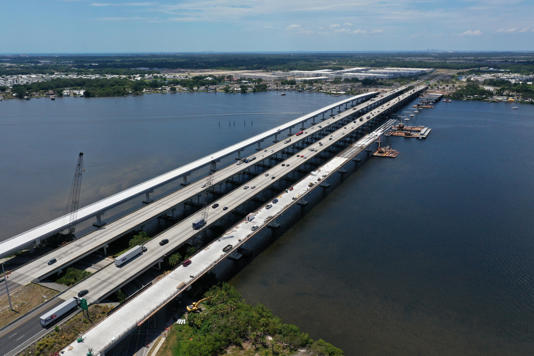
{"x":125,"y":140}
{"x":428,"y":254}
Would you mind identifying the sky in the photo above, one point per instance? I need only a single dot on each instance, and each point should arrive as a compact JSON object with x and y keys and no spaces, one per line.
{"x":107,"y":26}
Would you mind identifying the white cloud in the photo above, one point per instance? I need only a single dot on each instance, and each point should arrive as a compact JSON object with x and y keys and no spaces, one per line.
{"x":293,"y":27}
{"x":471,"y":33}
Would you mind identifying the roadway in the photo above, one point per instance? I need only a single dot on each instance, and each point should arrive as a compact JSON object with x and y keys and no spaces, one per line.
{"x":111,"y":277}
{"x":76,"y":250}
{"x":25,"y":330}
{"x":49,"y":228}
{"x":111,"y":330}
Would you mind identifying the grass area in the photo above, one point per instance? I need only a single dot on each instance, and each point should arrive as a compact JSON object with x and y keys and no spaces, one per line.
{"x":227,"y":325}
{"x":24,"y":299}
{"x":64,"y":334}
{"x":72,"y":276}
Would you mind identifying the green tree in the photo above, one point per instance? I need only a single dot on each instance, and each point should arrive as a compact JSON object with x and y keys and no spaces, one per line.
{"x":175,"y":259}
{"x":139,"y":239}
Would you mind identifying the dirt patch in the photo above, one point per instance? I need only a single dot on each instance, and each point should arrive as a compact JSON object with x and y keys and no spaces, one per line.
{"x":66,"y":333}
{"x":24,"y":299}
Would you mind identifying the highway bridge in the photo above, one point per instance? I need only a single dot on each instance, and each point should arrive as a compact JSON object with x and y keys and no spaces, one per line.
{"x":97,"y":209}
{"x":272,"y":168}
{"x":106,"y":334}
{"x":100,"y":239}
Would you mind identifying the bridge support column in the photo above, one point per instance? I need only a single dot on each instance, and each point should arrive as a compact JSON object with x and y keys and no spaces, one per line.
{"x":290,"y":131}
{"x":239,"y":153}
{"x":99,"y":222}
{"x":302,"y":125}
{"x":213,"y":166}
{"x":184,"y":180}
{"x":147,"y":197}
{"x":106,"y":250}
{"x":275,"y":137}
{"x":259,"y":146}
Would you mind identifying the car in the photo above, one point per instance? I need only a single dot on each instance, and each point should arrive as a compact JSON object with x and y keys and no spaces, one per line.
{"x":227,"y":248}
{"x":255,"y":227}
{"x":52,"y":261}
{"x":253,"y":187}
{"x":186,"y":263}
{"x":245,"y":187}
{"x":82,"y":293}
{"x":283,"y":164}
{"x":275,"y":201}
{"x":225,"y":208}
{"x":268,"y":206}
{"x":144,"y":249}
{"x":273,"y":177}
{"x":290,"y":188}
{"x":215,"y":206}
{"x":164,"y":242}
{"x":266,"y":174}
{"x":203,"y":186}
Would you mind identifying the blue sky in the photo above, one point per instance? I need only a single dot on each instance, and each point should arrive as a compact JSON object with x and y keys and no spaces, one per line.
{"x":49,"y":26}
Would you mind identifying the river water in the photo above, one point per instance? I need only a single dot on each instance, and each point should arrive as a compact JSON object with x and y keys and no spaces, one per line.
{"x":431,"y":253}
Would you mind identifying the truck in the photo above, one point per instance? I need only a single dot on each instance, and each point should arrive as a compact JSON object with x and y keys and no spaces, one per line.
{"x":199,"y":223}
{"x":128,"y":255}
{"x":57,"y":312}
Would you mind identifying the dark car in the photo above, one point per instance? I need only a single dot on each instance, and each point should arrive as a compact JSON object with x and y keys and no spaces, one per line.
{"x":215,"y":206}
{"x":52,"y":261}
{"x":82,"y":293}
{"x":144,"y":249}
{"x":227,"y":248}
{"x":186,"y":263}
{"x":255,"y":227}
{"x":269,"y":206}
{"x":163,"y":242}
{"x":275,"y":201}
{"x":225,"y":208}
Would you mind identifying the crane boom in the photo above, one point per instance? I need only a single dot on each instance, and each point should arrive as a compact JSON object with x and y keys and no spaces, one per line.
{"x":74,"y":199}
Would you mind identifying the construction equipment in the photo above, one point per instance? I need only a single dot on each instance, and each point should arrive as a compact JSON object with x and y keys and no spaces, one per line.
{"x":74,"y":198}
{"x":196,"y":305}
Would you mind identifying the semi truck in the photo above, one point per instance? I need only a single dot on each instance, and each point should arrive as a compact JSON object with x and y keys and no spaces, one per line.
{"x":57,"y":312}
{"x":128,"y":255}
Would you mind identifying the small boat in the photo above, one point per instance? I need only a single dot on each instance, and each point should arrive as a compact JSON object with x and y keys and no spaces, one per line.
{"x":412,"y":115}
{"x":515,"y":107}
{"x":283,"y":94}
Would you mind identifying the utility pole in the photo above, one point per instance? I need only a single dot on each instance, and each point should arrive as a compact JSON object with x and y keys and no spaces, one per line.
{"x":7,"y":288}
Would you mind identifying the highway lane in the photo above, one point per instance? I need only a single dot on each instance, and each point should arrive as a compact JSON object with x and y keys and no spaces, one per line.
{"x":25,"y":329}
{"x":110,"y":278}
{"x":85,"y":245}
{"x":44,"y":230}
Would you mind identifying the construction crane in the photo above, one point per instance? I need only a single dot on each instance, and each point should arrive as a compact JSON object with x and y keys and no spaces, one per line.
{"x":74,"y":198}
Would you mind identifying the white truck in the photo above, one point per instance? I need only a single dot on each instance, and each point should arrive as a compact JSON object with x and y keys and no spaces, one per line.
{"x":56,"y":313}
{"x":128,"y":255}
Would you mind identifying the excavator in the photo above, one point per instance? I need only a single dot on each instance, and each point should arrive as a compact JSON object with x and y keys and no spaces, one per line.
{"x":195,"y":307}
